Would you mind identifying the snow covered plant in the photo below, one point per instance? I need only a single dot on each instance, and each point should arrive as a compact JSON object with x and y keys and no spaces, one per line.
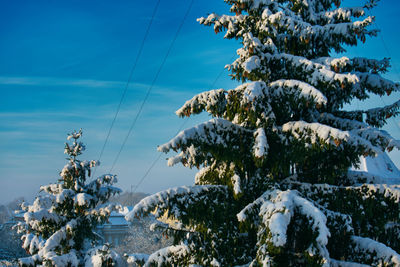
{"x":58,"y":227}
{"x":274,"y":187}
{"x":103,"y":256}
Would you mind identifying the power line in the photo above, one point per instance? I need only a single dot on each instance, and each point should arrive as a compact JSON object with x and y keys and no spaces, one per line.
{"x":129,"y":80}
{"x":155,"y":161}
{"x":394,"y":122}
{"x":219,"y":75}
{"x":152,"y":85}
{"x":388,"y":52}
{"x":180,"y":128}
{"x":394,"y":67}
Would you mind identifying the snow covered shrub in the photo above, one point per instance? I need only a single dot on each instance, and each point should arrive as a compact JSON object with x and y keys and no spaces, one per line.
{"x":103,"y":256}
{"x":274,"y":187}
{"x":58,"y":227}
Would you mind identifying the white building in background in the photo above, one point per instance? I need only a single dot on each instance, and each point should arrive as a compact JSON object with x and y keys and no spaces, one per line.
{"x":116,"y":229}
{"x":381,"y":166}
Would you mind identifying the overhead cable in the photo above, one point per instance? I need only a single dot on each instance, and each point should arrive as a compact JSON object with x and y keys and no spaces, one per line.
{"x":129,"y":80}
{"x":151,"y":86}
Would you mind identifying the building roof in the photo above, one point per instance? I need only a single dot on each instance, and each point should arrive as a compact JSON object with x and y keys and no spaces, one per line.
{"x":118,"y":218}
{"x":382,"y":166}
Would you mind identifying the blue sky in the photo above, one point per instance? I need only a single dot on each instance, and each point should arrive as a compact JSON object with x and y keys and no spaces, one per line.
{"x":64,"y":66}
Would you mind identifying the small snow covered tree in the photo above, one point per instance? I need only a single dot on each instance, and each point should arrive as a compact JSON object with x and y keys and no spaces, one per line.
{"x":275,"y":188}
{"x":59,"y":225}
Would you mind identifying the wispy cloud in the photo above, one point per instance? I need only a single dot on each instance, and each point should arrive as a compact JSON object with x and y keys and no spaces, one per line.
{"x":55,"y":81}
{"x":170,"y":91}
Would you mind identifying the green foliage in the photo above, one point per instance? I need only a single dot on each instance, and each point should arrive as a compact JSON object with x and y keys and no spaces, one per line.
{"x":274,"y":187}
{"x":59,"y":226}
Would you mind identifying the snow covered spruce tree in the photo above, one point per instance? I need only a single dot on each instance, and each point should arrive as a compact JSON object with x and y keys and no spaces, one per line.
{"x":274,"y":188}
{"x":58,"y":227}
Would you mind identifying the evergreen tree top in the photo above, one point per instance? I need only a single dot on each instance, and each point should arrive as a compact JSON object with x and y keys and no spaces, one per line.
{"x":59,"y":225}
{"x":274,"y":187}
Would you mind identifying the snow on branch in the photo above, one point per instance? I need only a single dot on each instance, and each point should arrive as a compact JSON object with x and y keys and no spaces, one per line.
{"x":77,"y":168}
{"x":338,"y":15}
{"x":256,"y":4}
{"x":376,"y":252}
{"x":34,"y":219}
{"x":320,"y":71}
{"x":169,"y":255}
{"x":253,"y":45}
{"x":341,"y":123}
{"x":253,"y":97}
{"x":41,"y":210}
{"x":317,"y":73}
{"x":249,"y":100}
{"x":83,"y":199}
{"x":52,"y":188}
{"x":137,"y":258}
{"x":101,"y":213}
{"x":249,"y":212}
{"x":376,"y":84}
{"x":30,"y":261}
{"x":60,"y":222}
{"x":378,"y":116}
{"x":276,"y":209}
{"x":261,"y":144}
{"x":305,"y":90}
{"x":361,"y":203}
{"x":357,"y":64}
{"x":75,"y":135}
{"x":253,"y":90}
{"x":317,"y":132}
{"x":54,"y":241}
{"x":362,"y":64}
{"x":224,"y":22}
{"x":102,"y":187}
{"x":76,"y":148}
{"x":68,"y":259}
{"x":46,"y":249}
{"x":32,"y":243}
{"x":212,"y":101}
{"x":249,"y":105}
{"x":303,"y":26}
{"x":389,"y":192}
{"x":377,"y":137}
{"x":91,"y":195}
{"x":312,"y":10}
{"x":170,"y":200}
{"x":102,"y":256}
{"x":258,"y":97}
{"x":208,"y":132}
{"x":370,"y":4}
{"x":215,"y":136}
{"x":302,"y":29}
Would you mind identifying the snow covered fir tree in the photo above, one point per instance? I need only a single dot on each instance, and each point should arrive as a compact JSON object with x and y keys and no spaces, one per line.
{"x":274,"y":186}
{"x":59,"y":225}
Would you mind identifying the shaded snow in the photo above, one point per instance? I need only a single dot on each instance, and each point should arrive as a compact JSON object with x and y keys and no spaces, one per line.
{"x":381,"y":166}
